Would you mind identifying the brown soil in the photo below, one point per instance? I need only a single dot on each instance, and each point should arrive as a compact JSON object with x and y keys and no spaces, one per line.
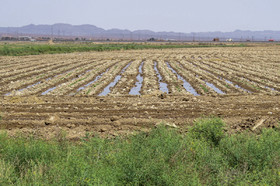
{"x":111,"y":116}
{"x":25,"y":110}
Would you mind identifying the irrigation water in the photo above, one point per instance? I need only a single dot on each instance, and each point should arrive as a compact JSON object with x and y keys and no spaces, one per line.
{"x":162,"y":85}
{"x":214,"y":87}
{"x":186,"y":84}
{"x":237,"y":86}
{"x":138,"y":85}
{"x":113,"y":83}
{"x":97,"y":78}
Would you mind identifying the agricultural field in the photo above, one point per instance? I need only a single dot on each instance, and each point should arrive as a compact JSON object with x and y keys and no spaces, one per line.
{"x":120,"y":92}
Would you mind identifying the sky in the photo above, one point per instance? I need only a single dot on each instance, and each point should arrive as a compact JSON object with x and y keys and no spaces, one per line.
{"x":157,"y":15}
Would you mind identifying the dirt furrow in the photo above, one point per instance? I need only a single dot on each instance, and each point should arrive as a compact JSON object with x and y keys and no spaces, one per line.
{"x":254,"y":84}
{"x":113,"y":114}
{"x":205,"y":76}
{"x":110,"y":76}
{"x":214,"y":75}
{"x":30,"y":68}
{"x":222,"y":74}
{"x":29,"y":82}
{"x":59,"y":80}
{"x":258,"y":71}
{"x":150,"y":82}
{"x":198,"y":84}
{"x":128,"y":79}
{"x":175,"y":86}
{"x":34,"y":73}
{"x":71,"y":87}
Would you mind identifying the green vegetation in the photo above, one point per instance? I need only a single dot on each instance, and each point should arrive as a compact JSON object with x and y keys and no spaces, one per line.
{"x":204,"y":88}
{"x":226,"y":85}
{"x":81,"y":79}
{"x":178,"y":68}
{"x":90,"y":89}
{"x":65,"y":76}
{"x":14,"y":49}
{"x":206,"y":155}
{"x":178,"y":88}
{"x":244,"y":82}
{"x":40,"y":76}
{"x":250,"y":84}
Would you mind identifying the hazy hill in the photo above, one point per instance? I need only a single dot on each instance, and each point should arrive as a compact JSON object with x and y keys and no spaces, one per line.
{"x":91,"y":31}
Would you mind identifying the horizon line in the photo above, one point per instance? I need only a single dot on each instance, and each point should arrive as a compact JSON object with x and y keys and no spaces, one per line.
{"x":236,"y":30}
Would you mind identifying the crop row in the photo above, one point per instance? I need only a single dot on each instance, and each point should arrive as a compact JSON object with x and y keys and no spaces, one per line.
{"x":181,"y":71}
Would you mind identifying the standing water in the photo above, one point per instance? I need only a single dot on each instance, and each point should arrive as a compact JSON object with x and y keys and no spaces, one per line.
{"x":186,"y":85}
{"x":112,"y":84}
{"x":162,"y":85}
{"x":214,"y":87}
{"x":138,"y":85}
{"x":97,"y":78}
{"x":237,"y":86}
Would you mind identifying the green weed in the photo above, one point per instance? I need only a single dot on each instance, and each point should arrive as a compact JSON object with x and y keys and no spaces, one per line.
{"x":79,"y":80}
{"x":204,"y":88}
{"x":226,"y":85}
{"x":93,"y":86}
{"x":36,"y":49}
{"x":210,"y":130}
{"x":178,"y":88}
{"x":205,"y":155}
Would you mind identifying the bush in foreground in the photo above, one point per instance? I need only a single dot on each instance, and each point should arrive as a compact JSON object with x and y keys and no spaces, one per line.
{"x":205,"y":155}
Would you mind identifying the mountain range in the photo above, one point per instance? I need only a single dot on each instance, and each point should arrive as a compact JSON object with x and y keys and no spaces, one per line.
{"x":94,"y":32}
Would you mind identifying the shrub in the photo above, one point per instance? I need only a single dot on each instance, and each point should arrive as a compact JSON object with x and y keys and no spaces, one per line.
{"x":162,"y":156}
{"x":210,"y":130}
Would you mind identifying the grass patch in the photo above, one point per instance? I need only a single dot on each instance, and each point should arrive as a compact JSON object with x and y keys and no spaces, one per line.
{"x":244,"y":82}
{"x":206,"y":155}
{"x":40,"y":76}
{"x":79,"y":80}
{"x":226,"y":85}
{"x":19,"y":49}
{"x":178,"y":88}
{"x":204,"y":88}
{"x":66,"y":76}
{"x":90,"y":89}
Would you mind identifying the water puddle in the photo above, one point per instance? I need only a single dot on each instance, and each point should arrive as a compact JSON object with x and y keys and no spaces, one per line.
{"x":112,"y":84}
{"x":270,"y":88}
{"x":138,"y":85}
{"x":53,"y":88}
{"x":97,"y":78}
{"x":7,"y":94}
{"x":237,"y":86}
{"x":267,"y":87}
{"x":214,"y":87}
{"x":186,"y":85}
{"x":162,"y":85}
{"x":39,"y":82}
{"x":29,"y":86}
{"x":49,"y":90}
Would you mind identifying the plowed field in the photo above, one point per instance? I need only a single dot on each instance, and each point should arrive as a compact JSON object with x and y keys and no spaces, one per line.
{"x":114,"y":93}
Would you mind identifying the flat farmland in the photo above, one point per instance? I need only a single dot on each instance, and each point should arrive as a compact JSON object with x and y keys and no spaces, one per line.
{"x":120,"y":92}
